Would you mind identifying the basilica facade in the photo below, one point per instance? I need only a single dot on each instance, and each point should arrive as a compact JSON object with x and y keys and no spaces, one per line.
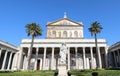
{"x":79,"y":53}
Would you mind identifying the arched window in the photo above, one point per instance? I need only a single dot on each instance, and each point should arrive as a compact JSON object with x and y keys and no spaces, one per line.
{"x":70,"y":34}
{"x":65,"y":34}
{"x":75,"y":34}
{"x":48,"y":33}
{"x":54,"y":34}
{"x":59,"y":33}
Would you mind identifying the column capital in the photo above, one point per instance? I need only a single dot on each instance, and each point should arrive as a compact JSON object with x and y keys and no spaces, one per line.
{"x":98,"y":47}
{"x":106,"y":49}
{"x":83,"y":47}
{"x":91,"y":47}
{"x":7,"y":51}
{"x":1,"y":48}
{"x":45,"y":47}
{"x":76,"y":49}
{"x":37,"y":49}
{"x":0,"y":53}
{"x":52,"y":47}
{"x":11,"y":51}
{"x":21,"y":48}
{"x":68,"y":47}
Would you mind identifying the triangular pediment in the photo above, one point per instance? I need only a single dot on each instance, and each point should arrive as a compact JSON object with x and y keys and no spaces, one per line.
{"x":65,"y":22}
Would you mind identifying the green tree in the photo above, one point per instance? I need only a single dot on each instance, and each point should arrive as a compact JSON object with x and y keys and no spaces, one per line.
{"x":95,"y":29}
{"x":34,"y":30}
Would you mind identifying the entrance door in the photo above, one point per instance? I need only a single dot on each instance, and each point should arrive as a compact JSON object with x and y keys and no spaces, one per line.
{"x":38,"y":64}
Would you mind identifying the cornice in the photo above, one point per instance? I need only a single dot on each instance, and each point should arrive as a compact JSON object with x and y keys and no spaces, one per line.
{"x":59,"y":41}
{"x":8,"y":45}
{"x":49,"y":24}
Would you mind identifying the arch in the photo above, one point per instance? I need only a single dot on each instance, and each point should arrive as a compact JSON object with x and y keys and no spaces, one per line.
{"x":65,"y":34}
{"x":54,"y":34}
{"x":75,"y":34}
{"x":70,"y":34}
{"x":59,"y":34}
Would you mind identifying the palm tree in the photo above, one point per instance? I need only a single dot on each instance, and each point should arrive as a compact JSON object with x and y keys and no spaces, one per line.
{"x":95,"y":29}
{"x":34,"y":30}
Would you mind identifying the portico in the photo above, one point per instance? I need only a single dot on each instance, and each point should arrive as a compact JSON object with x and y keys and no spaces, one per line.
{"x":8,"y":56}
{"x":80,"y":55}
{"x":114,"y":55}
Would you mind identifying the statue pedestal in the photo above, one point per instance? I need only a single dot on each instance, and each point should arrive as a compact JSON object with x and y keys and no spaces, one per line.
{"x":62,"y":71}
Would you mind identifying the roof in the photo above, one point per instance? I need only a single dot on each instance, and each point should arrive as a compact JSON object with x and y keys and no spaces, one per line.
{"x":117,"y":44}
{"x":64,"y":22}
{"x":8,"y":45}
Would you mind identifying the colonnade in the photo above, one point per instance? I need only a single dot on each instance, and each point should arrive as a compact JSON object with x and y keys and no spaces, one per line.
{"x":81,"y":50}
{"x":116,"y":57}
{"x":6,"y":59}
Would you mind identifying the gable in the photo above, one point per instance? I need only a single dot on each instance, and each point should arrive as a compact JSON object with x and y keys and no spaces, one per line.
{"x":64,"y":22}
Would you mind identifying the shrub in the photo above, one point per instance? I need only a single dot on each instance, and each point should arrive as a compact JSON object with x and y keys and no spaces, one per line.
{"x":94,"y":73}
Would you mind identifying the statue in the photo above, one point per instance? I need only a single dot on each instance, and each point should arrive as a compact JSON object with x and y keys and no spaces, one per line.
{"x":63,"y":50}
{"x":62,"y":69}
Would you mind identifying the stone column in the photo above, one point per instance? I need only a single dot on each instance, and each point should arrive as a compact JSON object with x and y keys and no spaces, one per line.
{"x":99,"y":58}
{"x":52,"y":59}
{"x":76,"y":57}
{"x":15,"y":61}
{"x":68,"y":58}
{"x":118,"y":57}
{"x":4,"y":61}
{"x":9,"y":61}
{"x":106,"y":59}
{"x":20,"y":58}
{"x":91,"y":54}
{"x":44,"y":59}
{"x":41,"y":64}
{"x":23,"y":67}
{"x":84,"y":59}
{"x":115,"y":59}
{"x":36,"y":57}
{"x":0,"y":52}
{"x":27,"y":58}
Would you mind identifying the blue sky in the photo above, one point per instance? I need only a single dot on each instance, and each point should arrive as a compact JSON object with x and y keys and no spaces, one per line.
{"x":15,"y":14}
